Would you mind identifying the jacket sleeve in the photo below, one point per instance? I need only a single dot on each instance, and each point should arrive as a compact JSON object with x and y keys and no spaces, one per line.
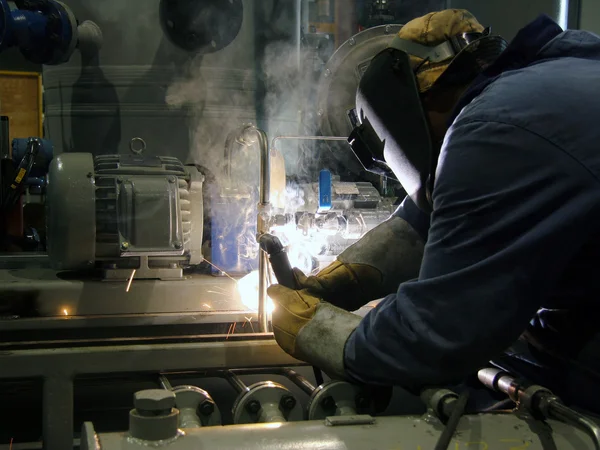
{"x":510,"y":211}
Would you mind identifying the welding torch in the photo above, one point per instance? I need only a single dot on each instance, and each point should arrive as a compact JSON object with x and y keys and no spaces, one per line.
{"x":282,"y":269}
{"x":278,"y":257}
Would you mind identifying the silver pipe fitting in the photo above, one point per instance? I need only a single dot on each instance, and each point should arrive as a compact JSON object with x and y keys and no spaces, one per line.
{"x":247,"y":136}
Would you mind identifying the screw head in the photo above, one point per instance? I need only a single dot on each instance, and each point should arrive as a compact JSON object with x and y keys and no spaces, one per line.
{"x":119,"y":180}
{"x":351,"y":41}
{"x":171,"y":179}
{"x":177,"y":245}
{"x":207,"y":408}
{"x":154,"y":400}
{"x":253,"y":406}
{"x":124,"y":245}
{"x":287,"y":402}
{"x":328,"y":403}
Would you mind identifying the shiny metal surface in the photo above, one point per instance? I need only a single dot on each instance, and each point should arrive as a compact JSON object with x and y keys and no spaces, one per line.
{"x":247,"y":136}
{"x":490,"y":432}
{"x":53,"y":294}
{"x":339,"y":81}
{"x":334,"y":398}
{"x":263,"y":402}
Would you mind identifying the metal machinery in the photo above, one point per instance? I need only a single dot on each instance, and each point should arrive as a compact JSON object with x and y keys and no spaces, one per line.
{"x":121,"y":334}
{"x":122,"y":208}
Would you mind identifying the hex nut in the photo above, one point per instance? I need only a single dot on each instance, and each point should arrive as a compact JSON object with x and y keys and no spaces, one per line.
{"x":287,"y":402}
{"x":154,"y":400}
{"x":207,"y":408}
{"x":253,"y":406}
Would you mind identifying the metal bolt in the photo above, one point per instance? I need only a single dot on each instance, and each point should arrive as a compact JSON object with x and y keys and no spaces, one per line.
{"x":287,"y":402}
{"x":387,"y":29}
{"x":154,"y":402}
{"x":124,"y":245}
{"x":327,"y":73}
{"x":362,"y":401}
{"x":207,"y":408}
{"x":171,"y":179}
{"x":89,"y":175}
{"x":320,"y":112}
{"x":253,"y":406}
{"x":177,"y":245}
{"x":351,"y":41}
{"x":119,"y":180}
{"x":328,"y":403}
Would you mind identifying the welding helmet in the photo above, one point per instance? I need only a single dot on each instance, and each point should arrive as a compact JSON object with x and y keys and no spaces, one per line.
{"x":391,"y":133}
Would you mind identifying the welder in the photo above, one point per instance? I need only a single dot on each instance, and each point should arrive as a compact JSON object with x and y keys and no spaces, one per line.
{"x":495,"y":252}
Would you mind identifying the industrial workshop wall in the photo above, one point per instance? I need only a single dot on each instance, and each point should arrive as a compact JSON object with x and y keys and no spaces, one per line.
{"x":590,"y":15}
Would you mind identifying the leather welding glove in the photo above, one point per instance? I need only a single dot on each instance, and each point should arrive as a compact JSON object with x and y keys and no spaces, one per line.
{"x":311,"y":330}
{"x":372,"y":268}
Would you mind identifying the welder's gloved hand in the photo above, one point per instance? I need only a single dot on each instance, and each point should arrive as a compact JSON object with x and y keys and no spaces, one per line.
{"x":311,"y":330}
{"x":372,"y":268}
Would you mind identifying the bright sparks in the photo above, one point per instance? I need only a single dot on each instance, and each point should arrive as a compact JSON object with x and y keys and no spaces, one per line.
{"x":248,"y":290}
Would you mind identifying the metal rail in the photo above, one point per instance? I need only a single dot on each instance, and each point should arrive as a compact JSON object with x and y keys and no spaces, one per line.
{"x":59,"y":367}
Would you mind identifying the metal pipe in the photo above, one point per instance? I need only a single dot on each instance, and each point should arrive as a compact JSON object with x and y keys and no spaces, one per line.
{"x":540,"y":400}
{"x":299,"y":33}
{"x":557,"y":410}
{"x":307,"y":138}
{"x":248,"y":136}
{"x":165,"y":383}
{"x":235,"y":381}
{"x":299,"y":380}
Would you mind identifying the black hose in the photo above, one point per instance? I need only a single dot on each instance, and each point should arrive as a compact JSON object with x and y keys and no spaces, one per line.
{"x":457,"y":412}
{"x":318,"y":376}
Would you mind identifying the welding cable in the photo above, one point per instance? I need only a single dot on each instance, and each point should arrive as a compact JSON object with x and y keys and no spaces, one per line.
{"x":15,"y":188}
{"x":459,"y":408}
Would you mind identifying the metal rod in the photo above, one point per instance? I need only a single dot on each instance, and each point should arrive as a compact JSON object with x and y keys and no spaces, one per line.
{"x":165,"y":383}
{"x":248,"y":136}
{"x":235,"y":381}
{"x":263,"y":319}
{"x":559,"y":411}
{"x":299,"y":380}
{"x":299,"y":34}
{"x":307,"y":138}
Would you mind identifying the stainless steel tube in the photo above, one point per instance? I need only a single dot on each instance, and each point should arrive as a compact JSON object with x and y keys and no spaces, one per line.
{"x":299,"y":380}
{"x":307,"y":138}
{"x":290,"y":374}
{"x":558,"y":411}
{"x":248,"y":136}
{"x":235,"y":381}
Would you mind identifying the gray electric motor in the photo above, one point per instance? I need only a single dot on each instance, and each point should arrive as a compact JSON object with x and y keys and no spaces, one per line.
{"x":124,"y":212}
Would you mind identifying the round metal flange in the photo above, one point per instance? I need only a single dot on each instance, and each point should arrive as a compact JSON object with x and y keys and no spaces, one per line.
{"x":265,"y":402}
{"x":196,"y":407}
{"x":336,"y":91}
{"x":334,"y":398}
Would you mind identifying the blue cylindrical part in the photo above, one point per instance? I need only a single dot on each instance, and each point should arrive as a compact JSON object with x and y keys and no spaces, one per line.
{"x":233,"y":234}
{"x":324,"y":190}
